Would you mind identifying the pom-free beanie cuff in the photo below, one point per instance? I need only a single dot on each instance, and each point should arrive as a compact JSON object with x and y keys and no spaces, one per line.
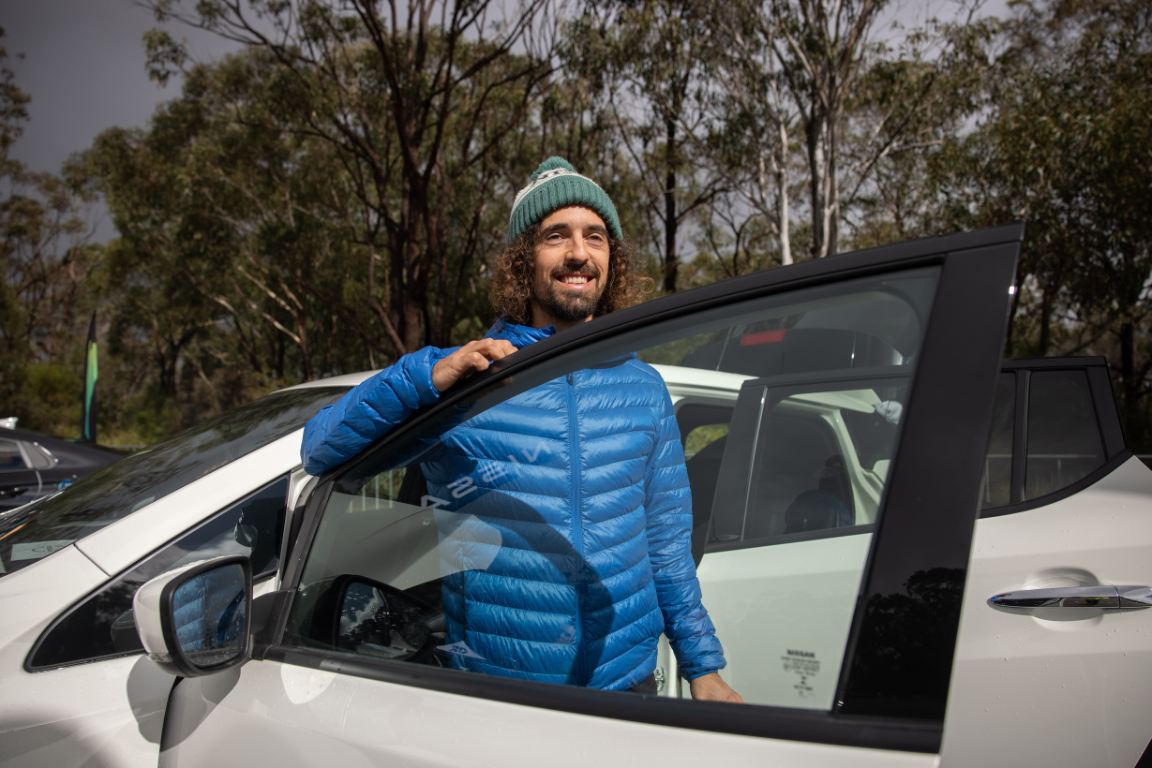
{"x":554,"y":185}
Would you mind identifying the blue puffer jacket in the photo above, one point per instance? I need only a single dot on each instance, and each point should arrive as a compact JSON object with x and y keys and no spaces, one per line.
{"x":564,"y":517}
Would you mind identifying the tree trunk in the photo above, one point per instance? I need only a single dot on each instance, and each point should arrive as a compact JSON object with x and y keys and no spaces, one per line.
{"x":671,"y":263}
{"x":819,"y":164}
{"x":1045,"y":320}
{"x":782,"y":206}
{"x":1129,"y":381}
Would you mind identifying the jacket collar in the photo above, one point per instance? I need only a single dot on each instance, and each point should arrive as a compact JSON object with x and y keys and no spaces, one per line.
{"x":523,"y":335}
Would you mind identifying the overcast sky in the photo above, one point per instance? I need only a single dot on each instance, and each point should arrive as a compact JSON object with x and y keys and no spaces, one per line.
{"x":84,"y":68}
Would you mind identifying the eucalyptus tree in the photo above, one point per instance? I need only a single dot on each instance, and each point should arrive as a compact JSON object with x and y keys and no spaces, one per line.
{"x":811,"y":109}
{"x":651,"y":60}
{"x":418,"y":101}
{"x":1063,"y":142}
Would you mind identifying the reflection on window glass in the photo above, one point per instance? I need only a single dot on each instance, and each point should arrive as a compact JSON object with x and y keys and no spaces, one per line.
{"x":998,"y":463}
{"x":1063,"y":436}
{"x":135,"y":482}
{"x":547,"y":530}
{"x":10,"y":457}
{"x":103,"y":625}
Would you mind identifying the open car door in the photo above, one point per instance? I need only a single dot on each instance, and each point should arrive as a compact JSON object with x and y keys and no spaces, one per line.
{"x":835,"y":484}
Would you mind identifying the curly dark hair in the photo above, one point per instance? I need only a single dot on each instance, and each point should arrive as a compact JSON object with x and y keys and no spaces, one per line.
{"x":510,"y":288}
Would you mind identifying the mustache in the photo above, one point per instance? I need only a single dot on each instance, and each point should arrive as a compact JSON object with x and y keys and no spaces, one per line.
{"x":588,"y":269}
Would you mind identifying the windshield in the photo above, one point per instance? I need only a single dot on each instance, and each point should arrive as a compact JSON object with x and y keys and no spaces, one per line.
{"x":40,"y":528}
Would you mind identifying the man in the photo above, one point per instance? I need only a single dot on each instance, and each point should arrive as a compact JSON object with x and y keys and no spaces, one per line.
{"x":564,"y":565}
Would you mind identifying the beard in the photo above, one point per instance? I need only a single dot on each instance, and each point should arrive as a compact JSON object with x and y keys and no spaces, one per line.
{"x":569,"y":306}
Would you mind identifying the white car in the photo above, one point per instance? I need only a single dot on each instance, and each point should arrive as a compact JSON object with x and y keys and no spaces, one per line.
{"x":909,"y":560}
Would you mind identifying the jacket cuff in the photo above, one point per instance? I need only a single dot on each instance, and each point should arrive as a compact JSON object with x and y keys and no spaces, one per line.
{"x":690,"y":676}
{"x":419,"y":369}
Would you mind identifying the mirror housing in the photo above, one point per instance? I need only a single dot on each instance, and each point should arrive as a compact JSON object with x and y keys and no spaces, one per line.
{"x":196,"y":620}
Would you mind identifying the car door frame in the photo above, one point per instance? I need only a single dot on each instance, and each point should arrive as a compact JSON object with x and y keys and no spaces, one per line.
{"x":931,"y":503}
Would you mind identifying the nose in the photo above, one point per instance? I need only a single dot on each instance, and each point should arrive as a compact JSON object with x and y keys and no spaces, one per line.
{"x":577,"y":251}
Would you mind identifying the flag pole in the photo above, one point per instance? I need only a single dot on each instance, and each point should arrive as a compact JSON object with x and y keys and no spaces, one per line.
{"x":88,"y":401}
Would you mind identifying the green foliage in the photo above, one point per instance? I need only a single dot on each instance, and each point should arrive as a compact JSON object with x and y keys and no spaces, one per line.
{"x":1063,"y":141}
{"x":327,"y":199}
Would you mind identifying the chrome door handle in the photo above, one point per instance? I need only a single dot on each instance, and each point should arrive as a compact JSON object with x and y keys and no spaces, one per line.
{"x":1075,"y":597}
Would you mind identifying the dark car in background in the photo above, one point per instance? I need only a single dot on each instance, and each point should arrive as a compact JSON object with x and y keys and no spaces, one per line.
{"x":34,"y":465}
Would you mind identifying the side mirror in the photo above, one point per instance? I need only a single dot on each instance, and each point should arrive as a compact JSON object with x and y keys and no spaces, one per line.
{"x":195,"y":621}
{"x":368,"y":618}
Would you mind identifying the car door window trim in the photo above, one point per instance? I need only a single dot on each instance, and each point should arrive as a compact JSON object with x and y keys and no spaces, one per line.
{"x":924,"y":503}
{"x":747,"y":720}
{"x":791,"y":538}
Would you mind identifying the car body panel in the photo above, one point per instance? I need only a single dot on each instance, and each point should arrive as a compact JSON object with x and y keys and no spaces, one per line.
{"x":117,"y":546}
{"x":289,"y":716}
{"x":784,"y":612}
{"x":108,"y":713}
{"x":1057,"y":686}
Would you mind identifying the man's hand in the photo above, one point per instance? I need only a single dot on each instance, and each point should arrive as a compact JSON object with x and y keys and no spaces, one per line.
{"x":470,"y":358}
{"x":711,"y":688}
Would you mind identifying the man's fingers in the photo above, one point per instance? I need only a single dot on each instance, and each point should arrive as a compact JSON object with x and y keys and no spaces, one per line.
{"x":495,"y":349}
{"x":472,"y":357}
{"x":478,"y":361}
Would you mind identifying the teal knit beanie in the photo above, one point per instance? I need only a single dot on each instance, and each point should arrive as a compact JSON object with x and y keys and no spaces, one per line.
{"x":556,"y":185}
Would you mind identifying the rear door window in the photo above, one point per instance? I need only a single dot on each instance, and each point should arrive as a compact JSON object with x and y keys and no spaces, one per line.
{"x":1064,"y":442}
{"x":998,"y":462}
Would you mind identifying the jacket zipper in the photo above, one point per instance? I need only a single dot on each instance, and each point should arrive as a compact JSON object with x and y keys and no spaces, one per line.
{"x":577,"y":533}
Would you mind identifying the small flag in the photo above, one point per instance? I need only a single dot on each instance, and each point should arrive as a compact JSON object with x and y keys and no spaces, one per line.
{"x":88,"y":422}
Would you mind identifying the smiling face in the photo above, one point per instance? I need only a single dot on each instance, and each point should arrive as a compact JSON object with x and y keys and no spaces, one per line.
{"x":570,"y":269}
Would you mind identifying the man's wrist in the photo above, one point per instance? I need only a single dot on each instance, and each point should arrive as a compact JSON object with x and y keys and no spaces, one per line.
{"x":698,"y":674}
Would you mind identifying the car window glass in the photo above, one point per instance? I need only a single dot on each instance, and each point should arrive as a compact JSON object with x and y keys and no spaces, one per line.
{"x":704,"y":430}
{"x":136,"y":481}
{"x":1063,"y":434}
{"x":998,"y":462}
{"x":542,"y":530}
{"x":102,"y":626}
{"x":41,"y":458}
{"x":811,"y":473}
{"x":10,"y":457}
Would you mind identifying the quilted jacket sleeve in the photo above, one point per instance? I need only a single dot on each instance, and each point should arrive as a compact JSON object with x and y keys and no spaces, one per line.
{"x":340,"y":431}
{"x":669,"y":504}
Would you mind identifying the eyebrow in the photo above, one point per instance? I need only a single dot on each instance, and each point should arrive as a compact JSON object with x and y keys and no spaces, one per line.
{"x":565,"y":225}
